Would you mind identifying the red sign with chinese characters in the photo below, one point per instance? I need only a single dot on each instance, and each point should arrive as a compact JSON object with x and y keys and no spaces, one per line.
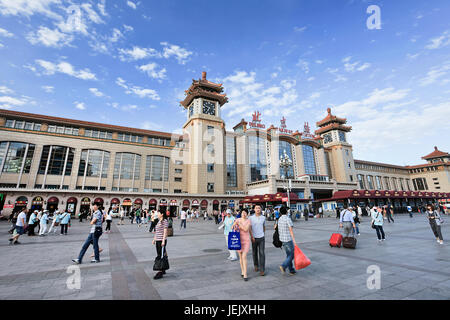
{"x":256,"y":121}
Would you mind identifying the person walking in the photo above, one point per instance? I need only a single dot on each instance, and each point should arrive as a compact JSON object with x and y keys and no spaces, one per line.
{"x":320,"y":212}
{"x":38,"y":224}
{"x":359,"y":209}
{"x":338,"y":212}
{"x":389,"y":212}
{"x":285,"y":231}
{"x":21,"y":224}
{"x":154,"y":220}
{"x":132,"y":216}
{"x":434,"y":218}
{"x":183,"y":219}
{"x":32,"y":223}
{"x":138,"y":217}
{"x":55,"y":222}
{"x":306,"y":213}
{"x":347,"y":221}
{"x":227,"y":225}
{"x":377,"y":222}
{"x":43,"y":223}
{"x":257,"y":232}
{"x":356,"y":220}
{"x":121,"y":216}
{"x":65,"y":221}
{"x":160,"y":240}
{"x":409,"y":211}
{"x":108,"y":222}
{"x":216,"y":217}
{"x":93,"y":237}
{"x":244,"y":225}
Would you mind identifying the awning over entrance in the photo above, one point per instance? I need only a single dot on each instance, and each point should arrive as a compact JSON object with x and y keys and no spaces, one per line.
{"x":98,"y":200}
{"x":72,"y":200}
{"x":277,"y":197}
{"x":53,"y":200}
{"x":384,"y":194}
{"x":152,"y":202}
{"x":204,"y":204}
{"x":174,"y":203}
{"x":195,"y":202}
{"x":186,"y":203}
{"x":138,"y":201}
{"x":115,"y":201}
{"x":85,"y":201}
{"x":126,"y":202}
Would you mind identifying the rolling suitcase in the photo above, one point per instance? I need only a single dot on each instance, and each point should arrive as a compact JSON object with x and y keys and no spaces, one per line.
{"x":336,"y":240}
{"x":349,"y":242}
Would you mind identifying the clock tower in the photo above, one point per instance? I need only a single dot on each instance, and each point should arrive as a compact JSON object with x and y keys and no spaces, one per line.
{"x":206,"y":131}
{"x":334,"y":133}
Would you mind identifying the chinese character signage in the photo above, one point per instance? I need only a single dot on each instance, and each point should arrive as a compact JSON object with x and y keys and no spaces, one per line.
{"x":256,"y":121}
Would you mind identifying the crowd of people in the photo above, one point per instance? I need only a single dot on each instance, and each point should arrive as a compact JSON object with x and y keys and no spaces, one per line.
{"x":249,"y":223}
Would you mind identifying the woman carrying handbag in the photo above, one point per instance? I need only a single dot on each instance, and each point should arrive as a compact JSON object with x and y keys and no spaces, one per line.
{"x":435,"y":221}
{"x":160,"y":239}
{"x":244,"y":225}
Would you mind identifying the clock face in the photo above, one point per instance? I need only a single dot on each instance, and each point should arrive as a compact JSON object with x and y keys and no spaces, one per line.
{"x":209,"y":107}
{"x":327,"y":138}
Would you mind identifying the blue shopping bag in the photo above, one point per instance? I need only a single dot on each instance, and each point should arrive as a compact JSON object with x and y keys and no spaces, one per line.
{"x":234,"y":241}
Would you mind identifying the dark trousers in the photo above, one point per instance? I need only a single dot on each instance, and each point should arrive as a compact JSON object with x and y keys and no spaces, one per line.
{"x":306,"y":216}
{"x":31,"y":229}
{"x":183,"y":223}
{"x":380,"y":232}
{"x":389,"y":216}
{"x":91,"y":239}
{"x":108,"y":225}
{"x":64,"y":228}
{"x":436,"y":229}
{"x":216,"y":218}
{"x":258,"y":250}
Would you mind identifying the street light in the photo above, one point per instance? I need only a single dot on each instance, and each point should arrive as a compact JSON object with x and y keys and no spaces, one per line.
{"x":286,"y":163}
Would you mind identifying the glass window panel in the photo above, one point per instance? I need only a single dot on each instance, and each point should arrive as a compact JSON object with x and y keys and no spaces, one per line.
{"x":75,"y":131}
{"x":257,"y":158}
{"x":19,"y":124}
{"x":285,"y":146}
{"x":9,"y":124}
{"x":68,"y":130}
{"x":28,"y":125}
{"x":308,"y":159}
{"x":60,"y":130}
{"x":109,"y":135}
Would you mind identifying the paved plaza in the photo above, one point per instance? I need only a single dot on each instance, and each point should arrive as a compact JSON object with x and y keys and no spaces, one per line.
{"x":413,"y":265}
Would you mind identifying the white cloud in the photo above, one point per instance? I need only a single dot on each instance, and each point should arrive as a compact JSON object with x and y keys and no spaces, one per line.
{"x":101,"y":7}
{"x":5,"y":33}
{"x":139,"y":91}
{"x":49,"y":38}
{"x":300,"y":29}
{"x":131,"y":5}
{"x":51,"y":68}
{"x":80,"y":105}
{"x":6,"y":90}
{"x":356,"y":66}
{"x":128,"y":28}
{"x":181,"y":54}
{"x":92,"y":15}
{"x":152,"y":72}
{"x":304,"y":65}
{"x":439,"y":42}
{"x":150,"y":125}
{"x":116,"y":36}
{"x":435,"y":74}
{"x":287,"y":84}
{"x":137,"y":53}
{"x":29,"y":7}
{"x":8,"y":102}
{"x":48,"y":89}
{"x":96,"y":92}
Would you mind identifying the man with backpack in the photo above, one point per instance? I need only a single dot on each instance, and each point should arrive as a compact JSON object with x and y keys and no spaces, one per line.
{"x":286,"y":236}
{"x":346,"y":221}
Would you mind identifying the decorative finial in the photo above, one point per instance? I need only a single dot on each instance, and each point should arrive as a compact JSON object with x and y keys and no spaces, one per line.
{"x":435,"y":148}
{"x":204,"y":75}
{"x":329,"y":111}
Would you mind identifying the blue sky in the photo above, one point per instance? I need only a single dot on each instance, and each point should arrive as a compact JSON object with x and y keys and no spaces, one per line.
{"x":128,"y":62}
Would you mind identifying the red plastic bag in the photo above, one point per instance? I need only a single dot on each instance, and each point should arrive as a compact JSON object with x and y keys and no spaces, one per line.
{"x":300,"y":260}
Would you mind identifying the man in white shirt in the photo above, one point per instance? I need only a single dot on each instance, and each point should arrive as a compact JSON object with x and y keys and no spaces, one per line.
{"x":257,"y":231}
{"x":20,"y":226}
{"x":43,"y":223}
{"x":183,"y":215}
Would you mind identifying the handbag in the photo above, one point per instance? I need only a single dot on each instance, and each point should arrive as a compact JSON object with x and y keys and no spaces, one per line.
{"x":439,"y":220}
{"x":161,"y":263}
{"x":98,"y":232}
{"x":276,"y":238}
{"x":234,"y":240}
{"x":301,"y":261}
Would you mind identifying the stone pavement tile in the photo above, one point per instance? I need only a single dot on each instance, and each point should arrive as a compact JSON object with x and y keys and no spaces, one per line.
{"x":434,"y":293}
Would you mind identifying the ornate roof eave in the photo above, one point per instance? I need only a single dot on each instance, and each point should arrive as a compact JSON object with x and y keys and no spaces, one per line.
{"x":333,"y":126}
{"x":330,"y":119}
{"x":198,"y":92}
{"x":436,"y":154}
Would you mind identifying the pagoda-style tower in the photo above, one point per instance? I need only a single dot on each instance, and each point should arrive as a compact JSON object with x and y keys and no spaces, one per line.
{"x":333,"y":131}
{"x":206,"y":130}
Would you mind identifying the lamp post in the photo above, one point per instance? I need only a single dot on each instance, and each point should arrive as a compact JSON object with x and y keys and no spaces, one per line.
{"x":286,"y":163}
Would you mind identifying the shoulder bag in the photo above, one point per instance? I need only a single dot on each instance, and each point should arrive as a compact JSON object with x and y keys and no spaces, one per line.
{"x":276,"y":238}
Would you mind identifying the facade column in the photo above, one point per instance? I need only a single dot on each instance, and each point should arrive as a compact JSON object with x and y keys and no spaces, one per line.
{"x":34,"y":169}
{"x":143,"y":172}
{"x":75,"y":167}
{"x":22,"y":166}
{"x":110,"y":176}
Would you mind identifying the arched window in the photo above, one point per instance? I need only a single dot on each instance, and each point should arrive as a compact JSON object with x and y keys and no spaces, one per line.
{"x":128,"y":164}
{"x":96,"y":160}
{"x":54,"y":159}
{"x":15,"y":155}
{"x":157,"y":168}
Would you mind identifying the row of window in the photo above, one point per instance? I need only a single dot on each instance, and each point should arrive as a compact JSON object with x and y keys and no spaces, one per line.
{"x":26,"y":125}
{"x":371,"y":167}
{"x":383,"y":183}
